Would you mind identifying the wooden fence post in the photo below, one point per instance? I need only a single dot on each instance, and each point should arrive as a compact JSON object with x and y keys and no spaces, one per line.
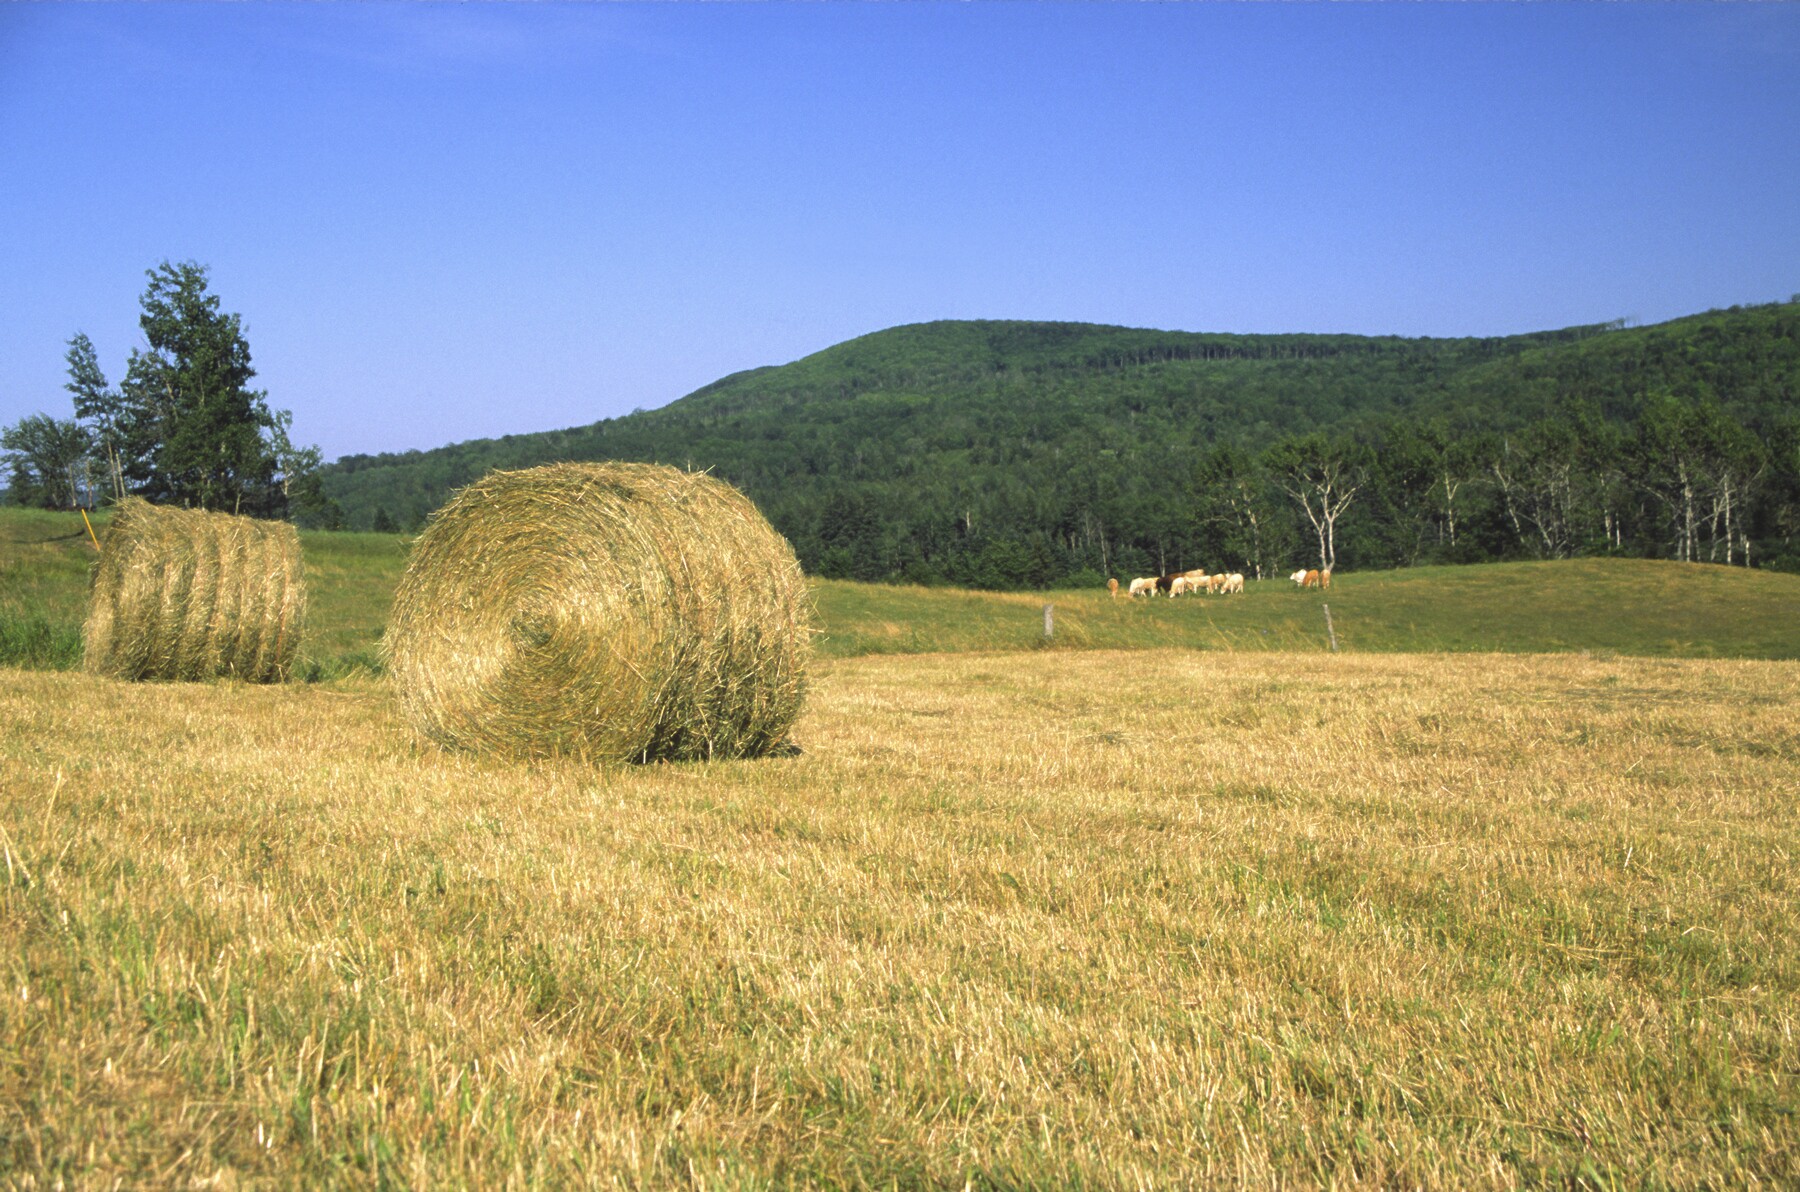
{"x":1049,"y":622}
{"x":1330,"y":632}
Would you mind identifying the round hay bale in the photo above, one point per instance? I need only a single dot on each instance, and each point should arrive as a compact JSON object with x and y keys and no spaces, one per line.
{"x":186,"y":594}
{"x":605,"y":611}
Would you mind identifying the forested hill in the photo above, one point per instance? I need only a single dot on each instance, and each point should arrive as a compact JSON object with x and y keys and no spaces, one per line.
{"x":1009,"y":453}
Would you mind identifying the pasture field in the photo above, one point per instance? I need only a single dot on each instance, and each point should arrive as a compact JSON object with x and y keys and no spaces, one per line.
{"x":1626,"y":606}
{"x":1072,"y":918}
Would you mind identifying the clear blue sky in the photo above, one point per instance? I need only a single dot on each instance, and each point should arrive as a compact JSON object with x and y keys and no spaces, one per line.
{"x":448,"y":221}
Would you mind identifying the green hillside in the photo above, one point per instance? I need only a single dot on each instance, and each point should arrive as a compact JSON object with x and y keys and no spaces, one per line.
{"x":1015,"y":455}
{"x":1626,"y":606}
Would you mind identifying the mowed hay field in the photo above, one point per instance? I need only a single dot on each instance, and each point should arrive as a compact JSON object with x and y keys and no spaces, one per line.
{"x":1146,"y":918}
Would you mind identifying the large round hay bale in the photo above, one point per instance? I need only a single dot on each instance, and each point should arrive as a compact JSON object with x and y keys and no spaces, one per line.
{"x":186,"y":594}
{"x":606,"y":611}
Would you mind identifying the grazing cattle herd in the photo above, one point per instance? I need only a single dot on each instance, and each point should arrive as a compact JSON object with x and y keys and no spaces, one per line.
{"x":1179,"y":583}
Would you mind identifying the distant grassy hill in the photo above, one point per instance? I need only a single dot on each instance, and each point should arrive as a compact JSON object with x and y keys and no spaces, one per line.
{"x":1622,"y":606}
{"x":1005,"y":454}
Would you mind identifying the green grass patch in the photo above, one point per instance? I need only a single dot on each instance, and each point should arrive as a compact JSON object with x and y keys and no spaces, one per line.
{"x":45,"y":558}
{"x":1623,"y":606}
{"x":350,"y":581}
{"x":44,"y":561}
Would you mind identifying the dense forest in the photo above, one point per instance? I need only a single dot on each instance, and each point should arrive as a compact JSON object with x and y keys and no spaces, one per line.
{"x":1018,"y":454}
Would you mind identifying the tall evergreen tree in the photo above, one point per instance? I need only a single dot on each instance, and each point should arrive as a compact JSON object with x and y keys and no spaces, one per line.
{"x":195,"y":426}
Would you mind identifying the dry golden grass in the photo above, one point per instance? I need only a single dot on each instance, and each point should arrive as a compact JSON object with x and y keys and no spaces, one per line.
{"x":1146,"y":919}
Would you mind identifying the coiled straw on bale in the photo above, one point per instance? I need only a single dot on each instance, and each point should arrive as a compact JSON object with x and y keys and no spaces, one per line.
{"x":185,"y":594}
{"x":605,"y":611}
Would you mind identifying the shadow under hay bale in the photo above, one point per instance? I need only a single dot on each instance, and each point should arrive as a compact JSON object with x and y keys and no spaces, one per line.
{"x":612,"y":611}
{"x":186,"y":594}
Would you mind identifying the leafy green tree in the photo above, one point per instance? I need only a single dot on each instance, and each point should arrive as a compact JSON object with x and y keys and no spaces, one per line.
{"x":1613,"y":502}
{"x":1702,"y":467}
{"x":1778,"y":514}
{"x":1733,"y":466}
{"x":47,"y":462}
{"x":100,"y":408}
{"x":1666,"y":469}
{"x":301,"y":490}
{"x":1454,"y":462}
{"x":1322,"y":473}
{"x":196,"y":428}
{"x":850,"y":538}
{"x":1232,"y":498}
{"x":1547,"y":483}
{"x":1402,"y":510}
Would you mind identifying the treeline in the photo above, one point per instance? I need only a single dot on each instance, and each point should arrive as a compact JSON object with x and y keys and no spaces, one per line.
{"x":1686,"y":481}
{"x":183,"y":427}
{"x":1008,"y":455}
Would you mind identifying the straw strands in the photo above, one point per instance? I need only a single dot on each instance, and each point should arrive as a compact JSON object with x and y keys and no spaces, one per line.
{"x":606,"y":611}
{"x":186,"y":594}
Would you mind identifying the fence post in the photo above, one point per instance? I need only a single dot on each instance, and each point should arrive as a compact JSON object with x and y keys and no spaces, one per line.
{"x":1329,"y":631}
{"x":1049,"y":621}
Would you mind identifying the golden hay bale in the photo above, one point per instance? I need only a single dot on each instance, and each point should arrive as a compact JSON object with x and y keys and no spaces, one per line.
{"x":185,"y":594}
{"x":606,"y":611}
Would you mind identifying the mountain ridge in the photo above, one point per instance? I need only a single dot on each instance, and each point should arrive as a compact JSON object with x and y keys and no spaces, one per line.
{"x":1024,"y":426}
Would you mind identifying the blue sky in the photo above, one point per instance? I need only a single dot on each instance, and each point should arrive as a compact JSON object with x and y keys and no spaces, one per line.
{"x":442,"y":222}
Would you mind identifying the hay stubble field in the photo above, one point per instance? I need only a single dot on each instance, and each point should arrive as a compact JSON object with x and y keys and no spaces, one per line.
{"x":1179,"y":901}
{"x":1146,"y":918}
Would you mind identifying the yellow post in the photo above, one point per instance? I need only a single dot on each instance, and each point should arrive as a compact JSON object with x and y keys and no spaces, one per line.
{"x":90,"y":526}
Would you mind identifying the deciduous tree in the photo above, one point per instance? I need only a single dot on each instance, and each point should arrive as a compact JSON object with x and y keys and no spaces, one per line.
{"x":100,"y":408}
{"x":46,"y":462}
{"x":1232,"y":497}
{"x":1323,"y":474}
{"x":1701,"y":466}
